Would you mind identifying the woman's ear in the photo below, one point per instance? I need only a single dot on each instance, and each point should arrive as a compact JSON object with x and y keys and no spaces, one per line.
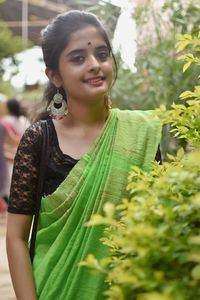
{"x":53,"y":77}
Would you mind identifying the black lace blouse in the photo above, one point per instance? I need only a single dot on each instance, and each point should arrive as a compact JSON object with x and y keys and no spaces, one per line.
{"x":26,"y":168}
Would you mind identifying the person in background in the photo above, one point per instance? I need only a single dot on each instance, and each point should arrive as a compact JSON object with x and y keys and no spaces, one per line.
{"x":3,"y":108}
{"x":3,"y":165}
{"x":3,"y":171}
{"x":90,"y":153}
{"x":16,"y":116}
{"x":15,"y":122}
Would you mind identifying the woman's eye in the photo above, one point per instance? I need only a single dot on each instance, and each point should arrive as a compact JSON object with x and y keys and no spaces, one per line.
{"x":103,"y":55}
{"x":78,"y":59}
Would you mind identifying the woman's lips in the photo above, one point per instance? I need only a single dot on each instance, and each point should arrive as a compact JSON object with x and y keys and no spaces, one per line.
{"x":97,"y":81}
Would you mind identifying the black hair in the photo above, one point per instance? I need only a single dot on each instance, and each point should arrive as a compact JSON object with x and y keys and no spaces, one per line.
{"x":14,"y":107}
{"x":56,"y":36}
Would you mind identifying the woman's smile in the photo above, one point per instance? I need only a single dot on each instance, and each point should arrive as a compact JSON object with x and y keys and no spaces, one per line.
{"x":95,"y":81}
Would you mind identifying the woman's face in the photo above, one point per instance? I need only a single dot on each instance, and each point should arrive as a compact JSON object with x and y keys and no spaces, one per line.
{"x":85,"y":66}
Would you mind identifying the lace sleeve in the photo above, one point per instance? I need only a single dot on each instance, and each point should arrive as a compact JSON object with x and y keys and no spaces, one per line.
{"x":25,"y":172}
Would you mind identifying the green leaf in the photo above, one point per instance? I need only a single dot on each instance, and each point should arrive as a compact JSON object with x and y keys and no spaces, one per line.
{"x":180,"y":37}
{"x":109,"y":209}
{"x":99,"y":220}
{"x":186,"y":66}
{"x":153,"y":296}
{"x":181,"y":45}
{"x":186,"y":94}
{"x":187,"y":36}
{"x":196,"y":272}
{"x":182,"y":57}
{"x":191,"y":102}
{"x":197,"y":89}
{"x":194,"y":240}
{"x":92,"y":262}
{"x":171,"y":157}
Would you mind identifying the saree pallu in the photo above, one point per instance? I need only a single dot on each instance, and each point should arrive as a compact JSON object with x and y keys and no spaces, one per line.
{"x":128,"y":138}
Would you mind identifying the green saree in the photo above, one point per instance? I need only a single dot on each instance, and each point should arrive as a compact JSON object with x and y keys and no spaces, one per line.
{"x":127,"y":138}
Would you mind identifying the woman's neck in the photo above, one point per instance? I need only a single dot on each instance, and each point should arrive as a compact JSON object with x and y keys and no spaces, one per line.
{"x":85,"y":115}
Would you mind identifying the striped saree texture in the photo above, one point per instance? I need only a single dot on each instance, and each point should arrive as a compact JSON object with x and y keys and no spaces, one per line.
{"x":128,"y":138}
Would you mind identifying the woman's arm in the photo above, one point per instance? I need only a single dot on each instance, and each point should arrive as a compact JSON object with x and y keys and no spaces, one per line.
{"x":21,"y":207}
{"x":18,"y":229}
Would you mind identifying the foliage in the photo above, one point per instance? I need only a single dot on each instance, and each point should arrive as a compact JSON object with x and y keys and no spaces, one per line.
{"x":158,"y":79}
{"x":9,"y":44}
{"x":6,"y":88}
{"x":155,"y":247}
{"x":154,"y":237}
{"x":105,"y":11}
{"x":185,"y":119}
{"x":155,"y":82}
{"x":159,"y":72}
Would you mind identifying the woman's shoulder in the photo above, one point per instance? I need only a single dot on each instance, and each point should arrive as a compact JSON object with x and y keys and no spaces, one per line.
{"x":33,"y":132}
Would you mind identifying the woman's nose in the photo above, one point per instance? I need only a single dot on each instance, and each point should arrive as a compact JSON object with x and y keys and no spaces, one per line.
{"x":94,"y":65}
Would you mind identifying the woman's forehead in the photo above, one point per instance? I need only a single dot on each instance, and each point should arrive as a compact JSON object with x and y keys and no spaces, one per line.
{"x":86,"y":36}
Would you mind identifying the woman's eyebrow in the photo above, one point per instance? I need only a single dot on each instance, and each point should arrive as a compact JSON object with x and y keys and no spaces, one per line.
{"x":82,"y":51}
{"x":102,"y":47}
{"x":75,"y":52}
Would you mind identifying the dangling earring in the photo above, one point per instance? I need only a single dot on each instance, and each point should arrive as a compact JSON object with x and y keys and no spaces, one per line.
{"x":57,"y":106}
{"x":108,"y":102}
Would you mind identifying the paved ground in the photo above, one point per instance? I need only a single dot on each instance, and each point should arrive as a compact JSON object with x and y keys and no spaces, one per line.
{"x":6,"y":290}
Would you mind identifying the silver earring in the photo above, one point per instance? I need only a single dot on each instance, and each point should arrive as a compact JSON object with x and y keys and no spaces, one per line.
{"x":58,"y":106}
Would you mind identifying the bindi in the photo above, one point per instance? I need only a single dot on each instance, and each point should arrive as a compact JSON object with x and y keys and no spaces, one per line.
{"x":89,"y":43}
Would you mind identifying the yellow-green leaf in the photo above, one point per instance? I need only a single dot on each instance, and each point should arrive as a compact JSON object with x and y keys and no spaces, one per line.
{"x":181,"y":45}
{"x":109,"y":209}
{"x":186,"y":94}
{"x":194,"y":240}
{"x":186,"y":66}
{"x":196,"y":272}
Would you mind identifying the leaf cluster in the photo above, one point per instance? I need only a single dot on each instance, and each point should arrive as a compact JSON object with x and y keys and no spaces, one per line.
{"x":158,"y":78}
{"x":185,"y":116}
{"x":9,"y":44}
{"x":154,"y":236}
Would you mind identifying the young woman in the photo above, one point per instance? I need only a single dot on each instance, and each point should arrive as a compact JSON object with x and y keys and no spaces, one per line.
{"x":91,"y":150}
